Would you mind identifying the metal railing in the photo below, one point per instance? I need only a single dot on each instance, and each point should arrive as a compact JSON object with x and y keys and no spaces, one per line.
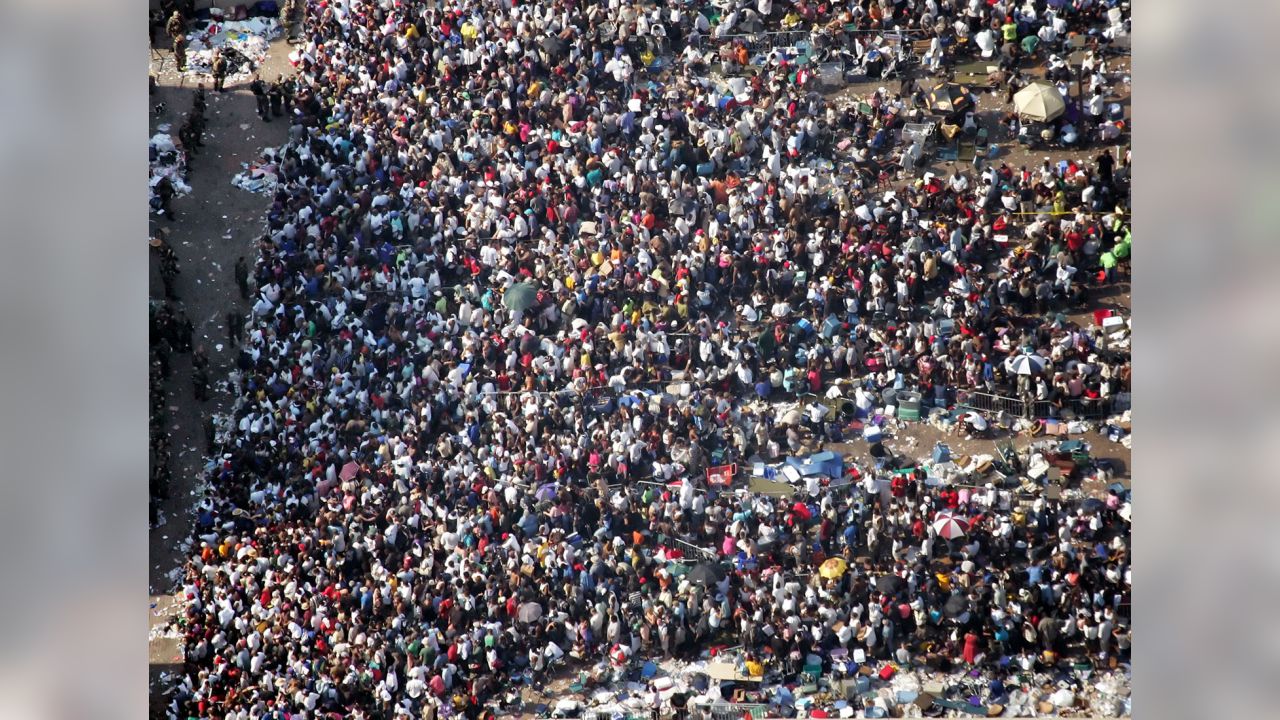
{"x":987,"y":402}
{"x":737,"y":711}
{"x":1081,"y":407}
{"x":693,"y":551}
{"x":619,"y":714}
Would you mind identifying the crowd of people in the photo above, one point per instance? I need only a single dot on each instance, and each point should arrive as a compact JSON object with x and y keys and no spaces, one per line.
{"x":495,"y":233}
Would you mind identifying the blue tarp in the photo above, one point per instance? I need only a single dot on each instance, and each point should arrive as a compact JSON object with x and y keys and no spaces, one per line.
{"x":823,"y":463}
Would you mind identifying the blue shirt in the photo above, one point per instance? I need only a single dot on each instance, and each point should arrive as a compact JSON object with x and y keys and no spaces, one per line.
{"x":1034,"y":573}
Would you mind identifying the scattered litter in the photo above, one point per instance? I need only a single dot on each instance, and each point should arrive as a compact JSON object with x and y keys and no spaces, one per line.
{"x":259,"y":176}
{"x":243,"y":43}
{"x":166,"y":160}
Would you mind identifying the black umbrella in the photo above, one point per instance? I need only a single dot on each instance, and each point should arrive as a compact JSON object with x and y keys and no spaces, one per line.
{"x":706,"y":574}
{"x":890,"y":584}
{"x":955,"y":606}
{"x":554,"y":47}
{"x":948,"y":97}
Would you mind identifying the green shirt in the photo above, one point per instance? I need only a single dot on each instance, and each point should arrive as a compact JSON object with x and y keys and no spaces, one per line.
{"x":1010,"y":31}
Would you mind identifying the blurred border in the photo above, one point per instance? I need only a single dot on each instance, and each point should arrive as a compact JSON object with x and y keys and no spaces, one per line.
{"x":73,"y":286}
{"x":1204,"y":301}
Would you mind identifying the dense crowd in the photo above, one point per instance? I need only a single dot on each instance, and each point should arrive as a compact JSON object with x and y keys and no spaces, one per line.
{"x":495,"y":232}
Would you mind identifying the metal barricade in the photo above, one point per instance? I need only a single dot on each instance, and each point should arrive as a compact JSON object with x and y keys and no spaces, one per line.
{"x":619,"y":714}
{"x":761,"y":43}
{"x":986,"y":402}
{"x":737,"y":711}
{"x":1091,"y":408}
{"x":695,"y":552}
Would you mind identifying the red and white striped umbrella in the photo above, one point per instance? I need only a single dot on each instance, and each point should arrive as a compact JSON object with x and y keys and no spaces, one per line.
{"x":950,"y":527}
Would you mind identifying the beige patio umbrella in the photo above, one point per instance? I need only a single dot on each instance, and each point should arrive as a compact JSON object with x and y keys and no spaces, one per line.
{"x":1039,"y":101}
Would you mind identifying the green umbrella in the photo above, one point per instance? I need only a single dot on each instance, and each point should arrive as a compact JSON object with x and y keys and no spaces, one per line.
{"x":520,"y":297}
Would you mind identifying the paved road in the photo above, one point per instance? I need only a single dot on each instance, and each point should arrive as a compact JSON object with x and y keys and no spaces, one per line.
{"x":216,"y":223}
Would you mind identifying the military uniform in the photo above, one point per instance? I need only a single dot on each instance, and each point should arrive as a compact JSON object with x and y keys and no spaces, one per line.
{"x":219,"y":72}
{"x":290,"y":17}
{"x":242,"y":277}
{"x":177,"y":29}
{"x":259,"y":90}
{"x":276,"y":95}
{"x":165,"y":193}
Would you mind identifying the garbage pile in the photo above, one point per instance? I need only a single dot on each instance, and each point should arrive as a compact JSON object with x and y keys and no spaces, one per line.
{"x":720,"y":684}
{"x":260,"y":175}
{"x":166,"y":160}
{"x":244,"y":43}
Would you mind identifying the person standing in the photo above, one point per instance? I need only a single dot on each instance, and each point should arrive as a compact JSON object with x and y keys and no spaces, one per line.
{"x":219,"y":71}
{"x":288,"y":88}
{"x":259,"y":90}
{"x":210,"y":434}
{"x":186,"y":332}
{"x":177,"y":29}
{"x":180,"y":52}
{"x":190,"y":141}
{"x":290,"y":16}
{"x":199,"y":103}
{"x":242,"y":277}
{"x":164,"y":193}
{"x":200,"y":383}
{"x":1106,"y":167}
{"x":970,"y":648}
{"x":168,"y":263}
{"x":235,"y":327}
{"x":276,"y":95}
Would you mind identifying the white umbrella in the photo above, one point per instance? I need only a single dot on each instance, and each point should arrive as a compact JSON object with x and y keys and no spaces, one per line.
{"x":950,"y":527}
{"x":1025,"y":364}
{"x":1039,"y":101}
{"x":530,"y":612}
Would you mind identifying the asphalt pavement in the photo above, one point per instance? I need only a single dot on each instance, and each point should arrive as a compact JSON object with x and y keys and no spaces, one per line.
{"x":215,"y":224}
